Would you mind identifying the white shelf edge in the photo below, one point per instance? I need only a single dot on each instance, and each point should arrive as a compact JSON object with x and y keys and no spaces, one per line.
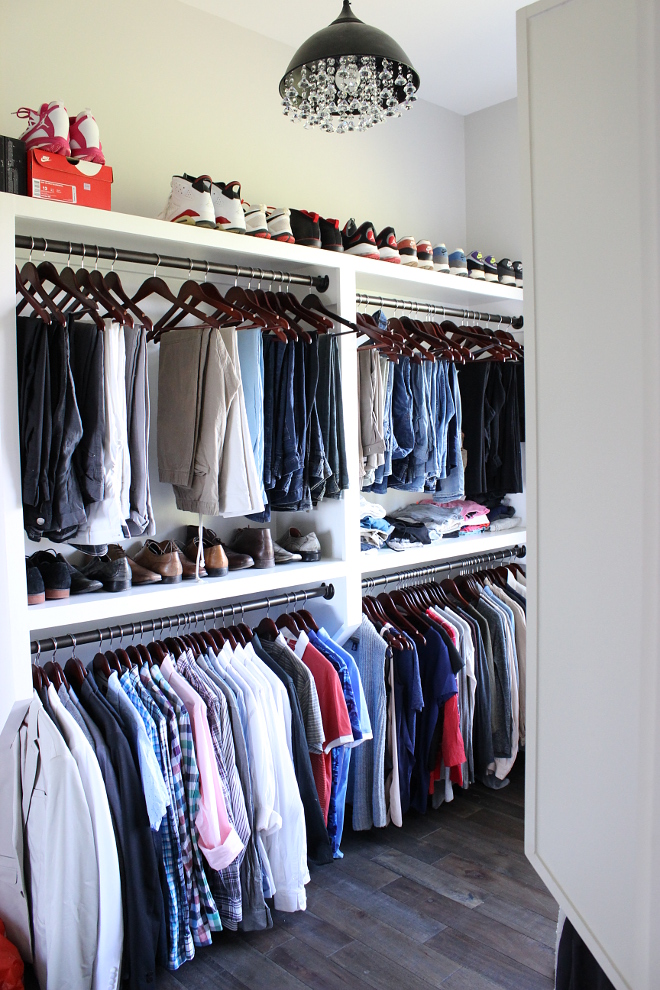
{"x":237,"y":586}
{"x":445,"y":550}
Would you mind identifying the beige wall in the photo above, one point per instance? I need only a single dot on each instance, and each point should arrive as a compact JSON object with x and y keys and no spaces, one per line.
{"x":176,"y":89}
{"x":492,"y":181}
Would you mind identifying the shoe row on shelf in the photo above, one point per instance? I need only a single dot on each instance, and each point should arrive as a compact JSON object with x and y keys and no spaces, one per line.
{"x":52,"y":129}
{"x":201,"y":202}
{"x":52,"y":576}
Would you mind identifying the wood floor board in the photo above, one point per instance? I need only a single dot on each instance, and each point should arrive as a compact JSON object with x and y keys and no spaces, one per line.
{"x":255,"y":970}
{"x":459,"y":890}
{"x":312,"y":968}
{"x":318,"y":934}
{"x":383,"y":973}
{"x":523,"y":920}
{"x":493,"y":933}
{"x":503,"y":971}
{"x":495,"y":883}
{"x":359,"y":867}
{"x":498,"y":822}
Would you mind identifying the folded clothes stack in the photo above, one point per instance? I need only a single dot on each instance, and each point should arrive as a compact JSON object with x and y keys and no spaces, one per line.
{"x":428,"y":521}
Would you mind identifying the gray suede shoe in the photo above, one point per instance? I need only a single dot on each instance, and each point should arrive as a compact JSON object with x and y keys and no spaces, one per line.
{"x":308,"y":546}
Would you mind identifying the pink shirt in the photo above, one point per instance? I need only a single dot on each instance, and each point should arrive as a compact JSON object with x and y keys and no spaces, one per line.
{"x":440,"y":619}
{"x":218,"y":839}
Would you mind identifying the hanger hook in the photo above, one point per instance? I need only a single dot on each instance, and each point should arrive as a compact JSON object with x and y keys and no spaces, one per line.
{"x":100,"y":638}
{"x":31,"y":248}
{"x":236,"y":275}
{"x":45,"y":247}
{"x":38,"y":652}
{"x":157,"y":264}
{"x":82,"y":263}
{"x":112,"y":267}
{"x":68,"y":260}
{"x":206,"y":273}
{"x":55,"y":647}
{"x":189,"y":267}
{"x":96,"y":265}
{"x":73,"y":640}
{"x":268,"y":609}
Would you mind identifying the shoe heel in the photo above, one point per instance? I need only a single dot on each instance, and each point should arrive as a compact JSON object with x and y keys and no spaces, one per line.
{"x":117,"y":585}
{"x":173,"y":580}
{"x":56,"y":594}
{"x":37,"y":599}
{"x":217,"y":571}
{"x":310,"y":555}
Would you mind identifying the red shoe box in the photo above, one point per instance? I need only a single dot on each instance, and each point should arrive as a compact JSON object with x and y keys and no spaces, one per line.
{"x":68,"y":180}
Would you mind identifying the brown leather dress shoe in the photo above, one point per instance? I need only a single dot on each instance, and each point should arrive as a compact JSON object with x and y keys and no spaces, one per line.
{"x":189,"y":564}
{"x":139,"y":575}
{"x":214,"y":559}
{"x":258,"y":543}
{"x":161,"y":558}
{"x":217,"y":556}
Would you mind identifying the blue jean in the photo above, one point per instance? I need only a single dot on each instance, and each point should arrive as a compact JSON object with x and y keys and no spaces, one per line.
{"x":251,"y":356}
{"x":453,"y":486}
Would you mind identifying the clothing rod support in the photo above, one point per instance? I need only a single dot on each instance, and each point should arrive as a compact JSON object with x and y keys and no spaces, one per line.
{"x":95,"y":251}
{"x":176,"y":620}
{"x":391,"y":302}
{"x":463,"y":563}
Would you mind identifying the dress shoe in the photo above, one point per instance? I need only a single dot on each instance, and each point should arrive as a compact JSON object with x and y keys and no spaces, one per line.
{"x":139,"y":575}
{"x":218,"y":558}
{"x":307,"y":546}
{"x":35,"y":584}
{"x":283,"y":556}
{"x":80,"y":584}
{"x":115,"y":574}
{"x":55,"y":573}
{"x":189,"y":563}
{"x":258,"y":543}
{"x":161,"y":558}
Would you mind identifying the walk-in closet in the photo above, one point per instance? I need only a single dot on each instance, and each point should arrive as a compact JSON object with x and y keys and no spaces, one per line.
{"x":329,"y":495}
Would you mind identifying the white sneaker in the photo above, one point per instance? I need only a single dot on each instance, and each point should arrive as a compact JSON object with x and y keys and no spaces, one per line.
{"x":47,"y":129}
{"x":255,"y":220}
{"x":229,"y":214}
{"x":279,"y":225}
{"x":190,"y":202}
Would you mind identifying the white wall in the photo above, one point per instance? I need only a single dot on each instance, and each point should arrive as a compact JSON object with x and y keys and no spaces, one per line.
{"x":492,"y":181}
{"x":177,"y":89}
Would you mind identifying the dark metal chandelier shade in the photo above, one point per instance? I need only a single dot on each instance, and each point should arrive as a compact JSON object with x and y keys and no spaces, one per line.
{"x":348,"y":77}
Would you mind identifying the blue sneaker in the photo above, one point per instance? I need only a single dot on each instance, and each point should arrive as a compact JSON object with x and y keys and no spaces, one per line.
{"x":458,"y":263}
{"x":440,"y":258}
{"x":475,"y":263}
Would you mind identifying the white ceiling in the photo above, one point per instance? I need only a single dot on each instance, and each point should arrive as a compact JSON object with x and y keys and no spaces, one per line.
{"x":464,"y":50}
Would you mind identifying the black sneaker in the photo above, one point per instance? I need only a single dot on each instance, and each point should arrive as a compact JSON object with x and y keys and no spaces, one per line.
{"x":55,"y":573}
{"x":361,"y":240}
{"x":490,"y":268}
{"x":505,"y":273}
{"x":35,"y":584}
{"x":305,"y":228}
{"x":330,"y":235}
{"x":387,"y":245}
{"x":475,"y":264}
{"x":518,"y":274}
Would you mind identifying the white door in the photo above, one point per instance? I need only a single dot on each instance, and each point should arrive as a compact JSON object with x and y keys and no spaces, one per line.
{"x":588,"y":103}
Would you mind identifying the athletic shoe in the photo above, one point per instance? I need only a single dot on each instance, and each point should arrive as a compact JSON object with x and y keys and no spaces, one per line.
{"x":306,"y":229}
{"x":308,"y":546}
{"x":518,"y":273}
{"x":360,"y":241}
{"x":408,"y":251}
{"x":330,"y":235}
{"x":47,"y":129}
{"x":490,"y":268}
{"x":255,"y":220}
{"x":458,"y":262}
{"x":440,"y":258}
{"x":424,"y":254}
{"x":84,"y":138}
{"x":190,"y":202}
{"x":505,"y":273}
{"x":475,"y":265}
{"x":227,"y":206}
{"x":387,"y":246}
{"x":283,"y":556}
{"x":279,"y":224}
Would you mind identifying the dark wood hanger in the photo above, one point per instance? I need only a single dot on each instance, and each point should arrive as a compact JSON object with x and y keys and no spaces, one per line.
{"x":287,"y":621}
{"x":267,"y":629}
{"x":29,"y":299}
{"x":193,"y":294}
{"x":31,"y":279}
{"x":55,"y":674}
{"x":98,"y":295}
{"x":309,"y":619}
{"x":300,"y":619}
{"x":124,"y":659}
{"x":113,"y":660}
{"x":114,"y":288}
{"x":156,"y":652}
{"x":75,"y":673}
{"x":247,"y":632}
{"x":100,"y":663}
{"x":154,"y":285}
{"x":394,"y":615}
{"x":174,"y":646}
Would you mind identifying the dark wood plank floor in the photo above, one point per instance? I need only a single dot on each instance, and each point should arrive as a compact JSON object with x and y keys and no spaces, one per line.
{"x":447,"y":901}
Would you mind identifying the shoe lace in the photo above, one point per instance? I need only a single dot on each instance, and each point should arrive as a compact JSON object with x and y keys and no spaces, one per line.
{"x":25,"y":113}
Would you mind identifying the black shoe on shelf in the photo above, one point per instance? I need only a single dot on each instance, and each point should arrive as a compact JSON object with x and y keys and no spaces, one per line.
{"x":330,"y":235}
{"x":115,"y":575}
{"x":518,"y":273}
{"x":55,"y":573}
{"x":505,"y":272}
{"x":35,"y":584}
{"x":305,"y":228}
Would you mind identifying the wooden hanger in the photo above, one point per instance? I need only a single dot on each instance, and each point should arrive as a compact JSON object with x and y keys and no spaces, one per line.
{"x":308,"y":618}
{"x":394,"y":614}
{"x":154,"y":285}
{"x":113,"y":287}
{"x":29,"y":299}
{"x":31,"y":280}
{"x":267,"y":629}
{"x":75,"y":673}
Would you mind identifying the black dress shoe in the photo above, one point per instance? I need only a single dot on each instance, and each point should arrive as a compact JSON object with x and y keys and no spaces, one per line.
{"x":80,"y":584}
{"x":114,"y":574}
{"x":55,"y":573}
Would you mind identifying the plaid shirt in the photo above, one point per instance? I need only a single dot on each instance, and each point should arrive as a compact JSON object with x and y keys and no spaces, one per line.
{"x":204,"y":917}
{"x":167,"y":829}
{"x":181,"y":843}
{"x":225,"y":884}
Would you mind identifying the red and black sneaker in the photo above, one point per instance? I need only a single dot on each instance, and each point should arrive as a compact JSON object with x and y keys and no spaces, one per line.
{"x":387,"y":246}
{"x":330,"y":235}
{"x":305,"y":228}
{"x":360,"y":240}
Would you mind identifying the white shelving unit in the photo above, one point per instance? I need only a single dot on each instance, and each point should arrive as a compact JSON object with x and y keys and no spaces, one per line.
{"x":335,"y":521}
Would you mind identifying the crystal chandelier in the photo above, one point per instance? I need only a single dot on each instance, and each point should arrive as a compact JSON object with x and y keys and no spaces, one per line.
{"x":348,"y":77}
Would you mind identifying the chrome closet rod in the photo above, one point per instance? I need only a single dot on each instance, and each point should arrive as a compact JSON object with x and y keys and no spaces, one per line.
{"x":413,"y":306}
{"x":176,"y":620}
{"x":95,"y":252}
{"x":465,"y":564}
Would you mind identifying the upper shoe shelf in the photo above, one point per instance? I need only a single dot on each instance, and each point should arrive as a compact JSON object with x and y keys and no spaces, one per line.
{"x":62,"y":221}
{"x":444,"y":550}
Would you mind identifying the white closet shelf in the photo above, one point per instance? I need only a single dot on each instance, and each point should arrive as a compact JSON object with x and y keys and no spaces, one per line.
{"x":105,"y":606}
{"x":446,"y":549}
